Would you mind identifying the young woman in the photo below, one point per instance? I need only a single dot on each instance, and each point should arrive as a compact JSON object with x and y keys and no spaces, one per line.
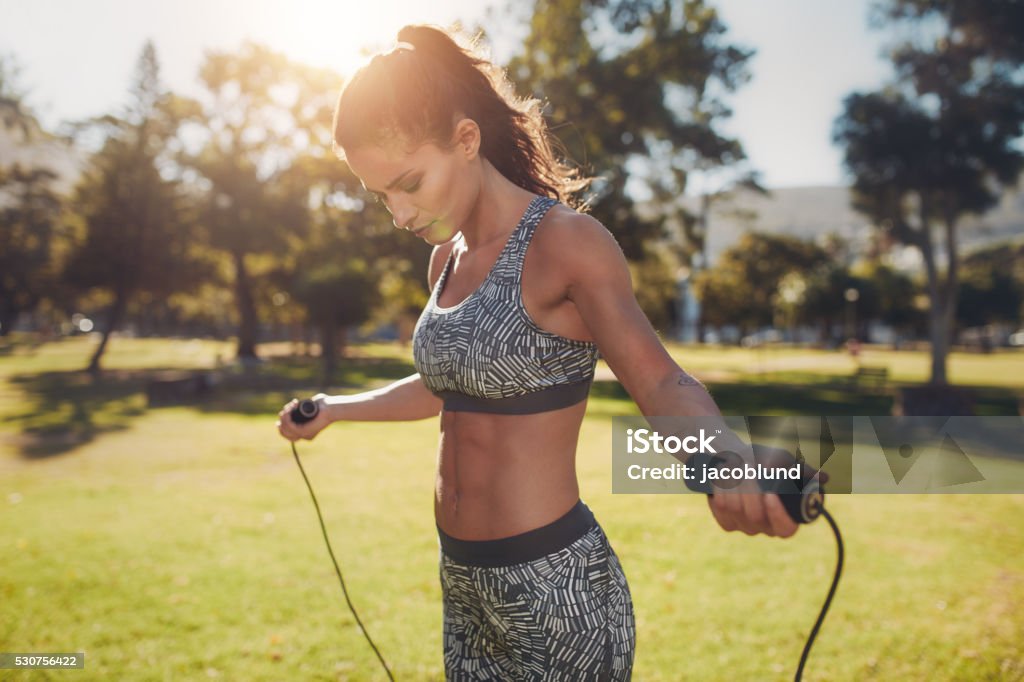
{"x":525,"y":293}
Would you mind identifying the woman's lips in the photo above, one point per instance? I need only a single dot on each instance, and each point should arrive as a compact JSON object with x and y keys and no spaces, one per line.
{"x":419,"y":231}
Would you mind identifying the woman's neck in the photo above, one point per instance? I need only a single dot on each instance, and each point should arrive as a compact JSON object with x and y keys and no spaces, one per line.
{"x":499,"y":205}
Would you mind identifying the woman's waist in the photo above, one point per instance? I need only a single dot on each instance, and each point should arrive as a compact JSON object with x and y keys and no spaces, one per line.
{"x":540,"y":539}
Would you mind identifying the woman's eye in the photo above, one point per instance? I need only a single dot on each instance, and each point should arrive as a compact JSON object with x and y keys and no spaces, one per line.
{"x":413,"y":187}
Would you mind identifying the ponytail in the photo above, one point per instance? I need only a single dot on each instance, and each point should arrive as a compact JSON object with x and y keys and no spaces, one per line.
{"x":416,"y":92}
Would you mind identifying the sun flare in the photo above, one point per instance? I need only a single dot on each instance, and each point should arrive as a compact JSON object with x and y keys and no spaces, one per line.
{"x":341,"y":35}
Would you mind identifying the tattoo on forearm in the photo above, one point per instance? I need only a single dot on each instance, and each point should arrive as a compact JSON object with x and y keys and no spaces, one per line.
{"x":687,"y":380}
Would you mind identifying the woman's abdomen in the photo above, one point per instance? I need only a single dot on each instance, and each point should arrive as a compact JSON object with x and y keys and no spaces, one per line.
{"x":501,"y":475}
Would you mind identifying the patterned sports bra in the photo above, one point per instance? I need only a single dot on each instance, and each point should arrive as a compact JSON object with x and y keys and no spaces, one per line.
{"x":485,"y":354}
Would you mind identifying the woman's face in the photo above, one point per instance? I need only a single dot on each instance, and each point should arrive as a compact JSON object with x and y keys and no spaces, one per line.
{"x":429,"y":191}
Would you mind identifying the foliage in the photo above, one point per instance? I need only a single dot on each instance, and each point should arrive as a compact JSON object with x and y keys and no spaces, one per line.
{"x":992,"y":286}
{"x":634,"y":90}
{"x":15,"y":113}
{"x":743,"y":288}
{"x":30,"y":241}
{"x":259,"y":115}
{"x":137,"y":235}
{"x":942,"y":141}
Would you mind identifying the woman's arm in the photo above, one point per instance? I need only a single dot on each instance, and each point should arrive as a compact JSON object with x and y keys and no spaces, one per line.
{"x":600,"y":286}
{"x":404,"y":400}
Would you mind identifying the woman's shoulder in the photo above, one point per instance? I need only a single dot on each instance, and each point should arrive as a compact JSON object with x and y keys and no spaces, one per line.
{"x":568,"y":236}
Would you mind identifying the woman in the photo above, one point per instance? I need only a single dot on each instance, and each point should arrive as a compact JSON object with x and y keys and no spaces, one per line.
{"x":525,"y":293}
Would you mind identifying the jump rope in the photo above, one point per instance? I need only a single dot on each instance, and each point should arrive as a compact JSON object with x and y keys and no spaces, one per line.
{"x":803,"y":508}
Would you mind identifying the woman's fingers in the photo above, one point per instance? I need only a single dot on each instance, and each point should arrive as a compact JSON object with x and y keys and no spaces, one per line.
{"x":752,"y":513}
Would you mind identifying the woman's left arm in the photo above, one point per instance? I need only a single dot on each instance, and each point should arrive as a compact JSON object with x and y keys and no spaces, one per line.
{"x":600,"y":286}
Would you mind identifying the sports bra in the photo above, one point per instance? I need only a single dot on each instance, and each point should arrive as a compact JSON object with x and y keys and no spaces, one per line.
{"x":485,"y":354}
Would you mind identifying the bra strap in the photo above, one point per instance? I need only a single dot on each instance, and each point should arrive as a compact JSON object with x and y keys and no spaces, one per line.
{"x":536,"y":211}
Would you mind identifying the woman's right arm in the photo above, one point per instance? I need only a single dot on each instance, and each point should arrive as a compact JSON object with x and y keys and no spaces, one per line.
{"x":404,"y":400}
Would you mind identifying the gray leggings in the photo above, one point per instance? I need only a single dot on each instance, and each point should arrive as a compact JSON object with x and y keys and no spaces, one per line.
{"x":566,"y":615}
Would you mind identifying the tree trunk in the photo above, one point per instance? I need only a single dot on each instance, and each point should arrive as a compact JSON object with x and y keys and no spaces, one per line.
{"x":939,"y":335}
{"x":705,"y":213}
{"x":8,"y":318}
{"x":327,"y":352}
{"x":949,"y":291}
{"x":938,"y":331}
{"x":246,"y":309}
{"x":114,"y":319}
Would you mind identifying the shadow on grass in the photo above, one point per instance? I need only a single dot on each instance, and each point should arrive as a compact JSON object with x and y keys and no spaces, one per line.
{"x":818,"y":395}
{"x":65,"y":410}
{"x":15,"y":343}
{"x":61,"y":411}
{"x":264,"y":390}
{"x":816,"y":399}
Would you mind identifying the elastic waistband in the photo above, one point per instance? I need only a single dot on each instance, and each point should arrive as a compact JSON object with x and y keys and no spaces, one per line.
{"x":518,"y":549}
{"x":543,"y":400}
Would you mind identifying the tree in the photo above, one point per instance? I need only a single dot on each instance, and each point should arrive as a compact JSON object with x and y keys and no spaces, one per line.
{"x":743,"y":288}
{"x":897,"y":294}
{"x":29,"y":231}
{"x":137,"y":238}
{"x":350,"y":264}
{"x":941,"y":141}
{"x":696,"y":227}
{"x":633,"y":89}
{"x":30,"y":213}
{"x":992,"y":286}
{"x":15,"y":114}
{"x":255,"y":122}
{"x":337,"y":295}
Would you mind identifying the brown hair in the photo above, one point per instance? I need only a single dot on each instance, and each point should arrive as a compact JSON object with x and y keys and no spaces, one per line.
{"x":415,"y":95}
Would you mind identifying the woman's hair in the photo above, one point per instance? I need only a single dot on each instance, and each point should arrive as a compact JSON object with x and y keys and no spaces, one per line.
{"x":417,"y":92}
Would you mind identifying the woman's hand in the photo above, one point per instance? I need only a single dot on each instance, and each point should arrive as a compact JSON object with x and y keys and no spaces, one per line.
{"x":307,"y":431}
{"x":749,"y":508}
{"x":752,"y":512}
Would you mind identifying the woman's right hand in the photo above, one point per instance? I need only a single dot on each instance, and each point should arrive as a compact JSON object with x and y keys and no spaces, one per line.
{"x":307,"y":431}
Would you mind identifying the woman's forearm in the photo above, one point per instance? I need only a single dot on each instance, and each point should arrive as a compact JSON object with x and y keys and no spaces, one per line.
{"x":689,"y":405}
{"x":404,"y":400}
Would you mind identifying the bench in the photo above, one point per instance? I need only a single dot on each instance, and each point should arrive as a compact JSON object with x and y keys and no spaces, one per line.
{"x":877,"y":376}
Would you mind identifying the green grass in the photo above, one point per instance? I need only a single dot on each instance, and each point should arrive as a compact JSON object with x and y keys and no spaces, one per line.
{"x":180,"y":543}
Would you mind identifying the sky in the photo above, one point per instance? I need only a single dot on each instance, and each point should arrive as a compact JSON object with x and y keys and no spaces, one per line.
{"x":77,"y":57}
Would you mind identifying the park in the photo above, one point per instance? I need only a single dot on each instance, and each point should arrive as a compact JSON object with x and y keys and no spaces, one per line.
{"x":178,"y":542}
{"x":812,"y":211}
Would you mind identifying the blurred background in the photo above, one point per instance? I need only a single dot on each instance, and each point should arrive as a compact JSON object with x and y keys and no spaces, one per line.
{"x":820,"y":202}
{"x":804,"y":172}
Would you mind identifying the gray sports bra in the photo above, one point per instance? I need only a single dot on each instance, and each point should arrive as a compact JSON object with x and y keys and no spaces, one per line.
{"x":485,"y":354}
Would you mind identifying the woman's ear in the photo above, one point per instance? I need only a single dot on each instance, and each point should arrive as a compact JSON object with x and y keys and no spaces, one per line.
{"x":466,"y":138}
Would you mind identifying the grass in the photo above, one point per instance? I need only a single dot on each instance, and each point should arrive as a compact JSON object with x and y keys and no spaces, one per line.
{"x":180,"y":543}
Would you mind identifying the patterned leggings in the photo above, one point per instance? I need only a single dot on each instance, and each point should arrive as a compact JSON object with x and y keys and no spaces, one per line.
{"x":567,"y":616}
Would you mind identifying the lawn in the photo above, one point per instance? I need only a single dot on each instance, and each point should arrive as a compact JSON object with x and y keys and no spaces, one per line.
{"x":180,"y":542}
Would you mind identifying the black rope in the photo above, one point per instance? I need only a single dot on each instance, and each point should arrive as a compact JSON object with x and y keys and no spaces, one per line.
{"x":828,"y":599}
{"x":387,"y":670}
{"x":337,"y":570}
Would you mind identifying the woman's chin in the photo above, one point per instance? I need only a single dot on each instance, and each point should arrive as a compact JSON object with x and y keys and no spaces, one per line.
{"x":437,"y":235}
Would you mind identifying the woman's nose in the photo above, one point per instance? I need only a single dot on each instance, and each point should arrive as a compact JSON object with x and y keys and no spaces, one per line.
{"x":403,"y":216}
